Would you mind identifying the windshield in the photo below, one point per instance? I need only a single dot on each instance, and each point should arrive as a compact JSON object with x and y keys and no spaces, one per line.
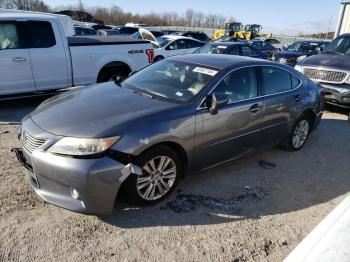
{"x":172,"y":80}
{"x":233,"y":26}
{"x":163,"y":41}
{"x":293,"y":47}
{"x":340,"y":45}
{"x":211,"y":49}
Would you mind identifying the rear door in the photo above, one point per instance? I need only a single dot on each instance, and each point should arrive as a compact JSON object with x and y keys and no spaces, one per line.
{"x":233,"y":131}
{"x":48,"y":55}
{"x":15,"y":68}
{"x":284,"y":98}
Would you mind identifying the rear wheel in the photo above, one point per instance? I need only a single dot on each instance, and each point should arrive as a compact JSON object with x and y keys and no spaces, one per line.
{"x":299,"y":134}
{"x":161,"y":169}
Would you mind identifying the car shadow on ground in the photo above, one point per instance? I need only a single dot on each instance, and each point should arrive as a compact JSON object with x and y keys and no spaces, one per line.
{"x":250,"y":189}
{"x":14,"y":110}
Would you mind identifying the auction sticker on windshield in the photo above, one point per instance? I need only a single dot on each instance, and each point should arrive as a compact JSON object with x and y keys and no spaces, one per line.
{"x":206,"y":71}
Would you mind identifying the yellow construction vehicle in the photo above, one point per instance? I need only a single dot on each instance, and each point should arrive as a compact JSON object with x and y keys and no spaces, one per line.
{"x":234,"y":29}
{"x":254,"y":30}
{"x":218,"y":33}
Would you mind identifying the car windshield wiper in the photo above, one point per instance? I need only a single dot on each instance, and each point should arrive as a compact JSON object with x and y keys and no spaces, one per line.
{"x":141,"y":93}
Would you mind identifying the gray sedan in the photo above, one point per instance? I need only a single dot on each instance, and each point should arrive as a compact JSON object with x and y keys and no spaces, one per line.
{"x":171,"y":119}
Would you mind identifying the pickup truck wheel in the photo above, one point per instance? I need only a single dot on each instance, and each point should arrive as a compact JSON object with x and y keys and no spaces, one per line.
{"x":113,"y":75}
{"x":161,"y":169}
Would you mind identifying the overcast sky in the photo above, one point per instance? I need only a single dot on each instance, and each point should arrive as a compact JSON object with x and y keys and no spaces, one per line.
{"x":276,"y":16}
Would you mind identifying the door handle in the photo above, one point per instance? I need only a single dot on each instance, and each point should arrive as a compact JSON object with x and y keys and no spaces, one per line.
{"x":255,"y":108}
{"x":19,"y":59}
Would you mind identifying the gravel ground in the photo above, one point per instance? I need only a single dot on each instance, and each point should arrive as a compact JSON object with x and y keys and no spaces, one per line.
{"x":257,"y":208}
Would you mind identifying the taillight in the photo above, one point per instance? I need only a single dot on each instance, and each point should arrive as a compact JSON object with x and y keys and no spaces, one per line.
{"x":150,"y":55}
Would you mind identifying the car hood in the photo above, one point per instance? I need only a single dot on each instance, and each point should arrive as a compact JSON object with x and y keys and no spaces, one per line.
{"x":334,"y":61}
{"x":96,"y":111}
{"x":287,"y":54}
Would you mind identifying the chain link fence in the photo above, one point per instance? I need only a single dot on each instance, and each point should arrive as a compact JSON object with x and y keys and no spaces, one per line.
{"x":209,"y":31}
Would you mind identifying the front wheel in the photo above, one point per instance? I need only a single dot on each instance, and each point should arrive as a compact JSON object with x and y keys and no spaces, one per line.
{"x":161,"y":169}
{"x":299,"y":134}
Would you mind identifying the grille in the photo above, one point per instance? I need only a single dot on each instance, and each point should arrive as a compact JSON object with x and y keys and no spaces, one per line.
{"x":320,"y":75}
{"x":30,"y":142}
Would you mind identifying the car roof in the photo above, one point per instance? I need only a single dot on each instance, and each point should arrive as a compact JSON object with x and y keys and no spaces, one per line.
{"x":18,"y":15}
{"x":176,"y":37}
{"x":219,"y":61}
{"x":228,"y":43}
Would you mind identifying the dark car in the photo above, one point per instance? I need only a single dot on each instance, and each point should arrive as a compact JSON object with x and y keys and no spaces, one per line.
{"x":264,"y":47}
{"x":299,"y":50}
{"x":120,"y":30}
{"x":331,"y":69}
{"x":232,"y":48}
{"x":203,"y":37}
{"x":81,"y":30}
{"x":100,"y":26}
{"x":231,"y":39}
{"x":173,"y":118}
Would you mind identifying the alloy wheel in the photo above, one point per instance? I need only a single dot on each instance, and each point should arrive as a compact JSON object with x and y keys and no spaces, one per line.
{"x":300,"y":134}
{"x":158,"y":177}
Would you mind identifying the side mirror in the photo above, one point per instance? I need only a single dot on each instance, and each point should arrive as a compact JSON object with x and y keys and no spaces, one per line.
{"x":169,"y":47}
{"x":318,"y":50}
{"x":218,"y":100}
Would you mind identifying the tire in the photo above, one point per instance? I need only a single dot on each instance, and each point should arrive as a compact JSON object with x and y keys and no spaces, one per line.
{"x":299,"y":134}
{"x":113,"y":74}
{"x":135,"y":188}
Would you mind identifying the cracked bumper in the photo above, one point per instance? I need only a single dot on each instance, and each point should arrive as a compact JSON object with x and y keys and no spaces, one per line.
{"x":338,"y":95}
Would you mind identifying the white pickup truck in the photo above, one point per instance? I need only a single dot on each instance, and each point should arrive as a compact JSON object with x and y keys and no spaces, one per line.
{"x":37,"y":55}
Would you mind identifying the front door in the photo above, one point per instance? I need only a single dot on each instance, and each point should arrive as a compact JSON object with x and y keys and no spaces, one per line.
{"x":15,"y":69}
{"x":232,"y":132}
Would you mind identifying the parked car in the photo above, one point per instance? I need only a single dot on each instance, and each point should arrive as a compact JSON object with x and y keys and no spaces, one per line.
{"x":36,"y":46}
{"x":264,"y":47}
{"x":272,"y":41}
{"x":231,"y":39}
{"x":174,"y":118}
{"x":331,"y":69}
{"x":232,"y":48}
{"x":170,"y":45}
{"x":100,"y":26}
{"x":298,"y":51}
{"x":82,"y":30}
{"x":203,"y":37}
{"x":119,"y":30}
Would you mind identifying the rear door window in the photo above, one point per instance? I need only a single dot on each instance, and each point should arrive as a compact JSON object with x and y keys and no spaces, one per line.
{"x":9,"y":38}
{"x":277,"y":80}
{"x":41,"y":35}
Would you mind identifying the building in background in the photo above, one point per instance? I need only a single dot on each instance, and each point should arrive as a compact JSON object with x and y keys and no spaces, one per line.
{"x":344,"y":19}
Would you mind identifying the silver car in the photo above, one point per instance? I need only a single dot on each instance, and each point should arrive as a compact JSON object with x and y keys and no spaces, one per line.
{"x":173,"y":118}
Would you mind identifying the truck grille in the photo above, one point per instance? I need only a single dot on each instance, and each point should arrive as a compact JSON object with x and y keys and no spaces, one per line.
{"x":328,"y":76}
{"x":30,"y":142}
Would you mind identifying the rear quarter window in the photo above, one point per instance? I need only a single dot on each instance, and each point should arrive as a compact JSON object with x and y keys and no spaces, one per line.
{"x":277,"y":80}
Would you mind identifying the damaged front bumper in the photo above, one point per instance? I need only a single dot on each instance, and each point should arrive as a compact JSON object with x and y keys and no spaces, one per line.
{"x":82,"y":185}
{"x":88,"y":185}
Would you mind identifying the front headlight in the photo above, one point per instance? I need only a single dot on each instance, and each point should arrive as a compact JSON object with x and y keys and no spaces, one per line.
{"x":74,"y":146}
{"x":298,"y":68}
{"x":301,"y":58}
